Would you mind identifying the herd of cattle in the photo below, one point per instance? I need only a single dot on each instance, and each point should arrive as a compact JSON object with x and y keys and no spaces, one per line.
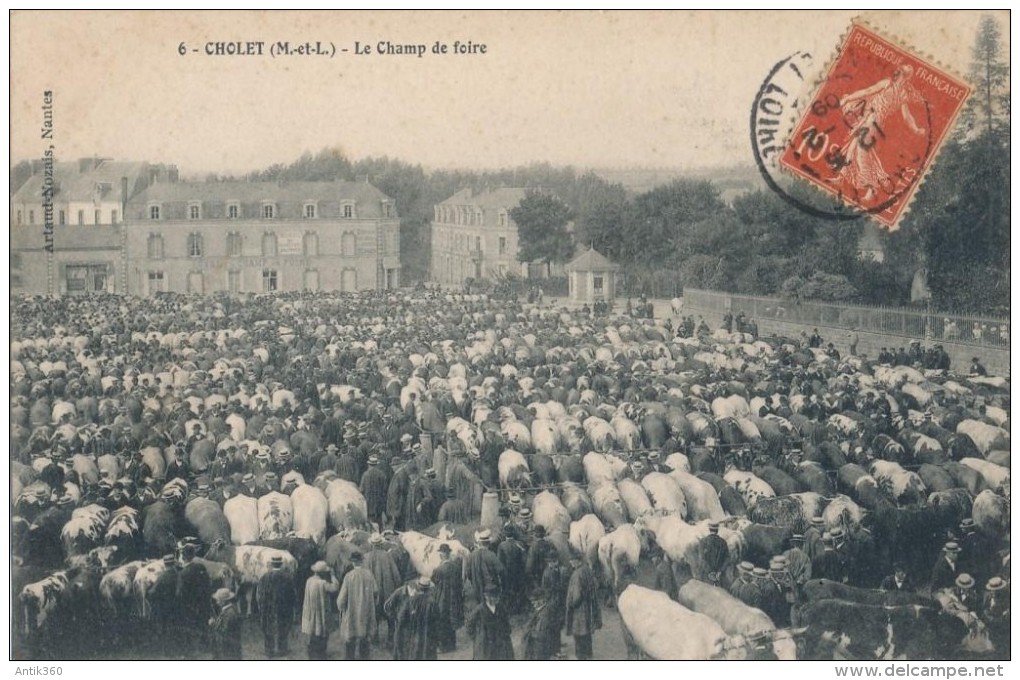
{"x":140,"y":425}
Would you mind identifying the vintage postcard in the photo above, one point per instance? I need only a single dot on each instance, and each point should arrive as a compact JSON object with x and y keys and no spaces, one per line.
{"x":538,"y":335}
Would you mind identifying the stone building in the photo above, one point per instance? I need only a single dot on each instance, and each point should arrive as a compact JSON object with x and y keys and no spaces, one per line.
{"x":591,"y":277}
{"x":262,"y":237}
{"x":474,"y":237}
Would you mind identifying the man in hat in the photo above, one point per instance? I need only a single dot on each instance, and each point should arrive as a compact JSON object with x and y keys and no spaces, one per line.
{"x":347,"y":464}
{"x":964,"y":592}
{"x":995,"y":614}
{"x":714,"y":554}
{"x":453,"y":510}
{"x":416,"y":618}
{"x":798,"y":564}
{"x":945,"y":571}
{"x":899,"y":580}
{"x":162,"y":601}
{"x":194,"y":597}
{"x":225,"y":627}
{"x":449,"y":594}
{"x":317,"y":614}
{"x":383,"y":567}
{"x":277,"y":602}
{"x":329,"y":459}
{"x":584,"y":615}
{"x":976,"y":552}
{"x":423,"y":505}
{"x":482,"y":567}
{"x":488,"y":625}
{"x":270,"y":482}
{"x":827,"y":564}
{"x":398,"y":494}
{"x":976,"y":368}
{"x":374,"y":486}
{"x":247,"y":487}
{"x":357,"y":605}
{"x":513,"y":555}
{"x":775,"y":589}
{"x":555,"y":579}
{"x":655,"y":463}
{"x":541,"y":633}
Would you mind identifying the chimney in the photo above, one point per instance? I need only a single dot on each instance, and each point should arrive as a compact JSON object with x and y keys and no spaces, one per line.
{"x":123,"y":195}
{"x":153,"y":176}
{"x":173,"y":174}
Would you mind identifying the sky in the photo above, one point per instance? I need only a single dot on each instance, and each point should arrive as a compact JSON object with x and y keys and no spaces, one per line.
{"x":589,"y":89}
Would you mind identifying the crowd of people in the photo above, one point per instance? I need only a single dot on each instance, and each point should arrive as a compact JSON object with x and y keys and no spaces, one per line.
{"x":254,"y":395}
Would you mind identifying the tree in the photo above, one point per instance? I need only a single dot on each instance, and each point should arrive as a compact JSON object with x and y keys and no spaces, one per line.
{"x":542,"y":235}
{"x":988,"y":109}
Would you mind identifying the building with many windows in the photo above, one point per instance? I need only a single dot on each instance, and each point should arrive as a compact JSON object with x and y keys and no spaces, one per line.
{"x":262,"y":237}
{"x":474,"y":237}
{"x":66,"y":225}
{"x":100,"y":226}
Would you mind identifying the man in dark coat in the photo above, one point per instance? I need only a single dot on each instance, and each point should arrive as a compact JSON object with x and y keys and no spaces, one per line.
{"x":714,"y":554}
{"x":194,"y":598}
{"x":489,"y":627}
{"x":374,"y":486}
{"x":449,"y":596}
{"x":277,"y":601}
{"x":541,"y":636}
{"x":899,"y":580}
{"x":514,"y":558}
{"x":225,"y":627}
{"x":540,"y":546}
{"x":454,"y":510}
{"x":482,"y":567}
{"x":397,"y":494}
{"x":828,"y":565}
{"x":554,"y":584}
{"x":945,"y":571}
{"x":162,"y":599}
{"x":744,"y":588}
{"x":417,"y":623}
{"x":584,"y":615}
{"x":380,"y":562}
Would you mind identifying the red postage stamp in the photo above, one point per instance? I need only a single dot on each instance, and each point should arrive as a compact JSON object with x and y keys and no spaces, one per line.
{"x":875,"y":125}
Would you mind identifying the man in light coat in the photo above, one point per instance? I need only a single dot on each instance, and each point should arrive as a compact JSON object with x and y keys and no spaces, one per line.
{"x":316,"y":615}
{"x":357,"y":604}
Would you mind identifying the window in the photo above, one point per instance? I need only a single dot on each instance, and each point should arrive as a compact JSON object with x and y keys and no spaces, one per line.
{"x":20,"y":214}
{"x":349,"y":244}
{"x":269,"y":280}
{"x":157,"y":283}
{"x":502,"y":245}
{"x":268,"y":244}
{"x":155,"y":247}
{"x":195,"y":244}
{"x":113,"y":217}
{"x":63,"y":217}
{"x":31,"y":217}
{"x":478,"y":243}
{"x":347,"y":210}
{"x":597,"y":284}
{"x":309,"y":211}
{"x":194,"y":211}
{"x":196,"y":282}
{"x":387,"y":208}
{"x":311,"y":279}
{"x":233,"y":211}
{"x":234,"y":280}
{"x":311,"y":244}
{"x":98,"y":218}
{"x":153,"y":212}
{"x":502,"y":218}
{"x":81,"y":217}
{"x":233,"y":244}
{"x":268,"y":211}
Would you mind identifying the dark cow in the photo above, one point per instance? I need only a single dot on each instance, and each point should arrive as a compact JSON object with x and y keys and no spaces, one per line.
{"x":837,"y":629}
{"x":762,"y":542}
{"x":824,"y":589}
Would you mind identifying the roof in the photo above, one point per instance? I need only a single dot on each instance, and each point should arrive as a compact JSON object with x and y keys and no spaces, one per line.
{"x":282,"y":192}
{"x":591,"y":260}
{"x":80,"y":181}
{"x":290,"y":197}
{"x":505,"y":197}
